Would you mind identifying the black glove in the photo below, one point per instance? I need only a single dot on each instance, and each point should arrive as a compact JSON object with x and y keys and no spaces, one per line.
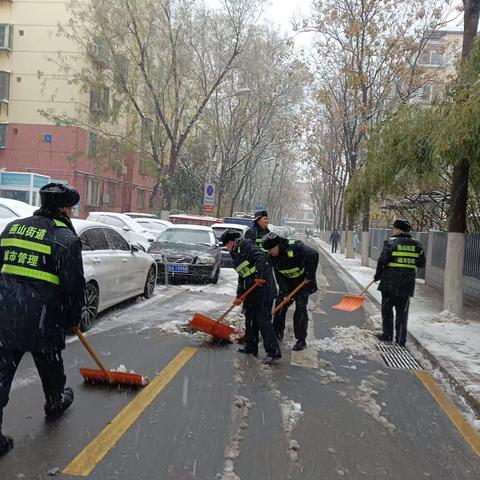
{"x":377,"y":277}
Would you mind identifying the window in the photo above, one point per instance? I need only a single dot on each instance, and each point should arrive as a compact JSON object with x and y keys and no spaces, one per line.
{"x":115,"y":222}
{"x":432,"y":55}
{"x":99,"y":100}
{"x":92,"y":145}
{"x":94,"y":239}
{"x":6,"y":212}
{"x":3,"y":135}
{"x":5,"y":87}
{"x":92,"y":192}
{"x":117,"y":242}
{"x":109,"y":194}
{"x":6,"y":36}
{"x":140,"y":198}
{"x":192,"y":237}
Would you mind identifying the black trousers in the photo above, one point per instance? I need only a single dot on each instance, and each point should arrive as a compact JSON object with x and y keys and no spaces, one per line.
{"x":334,"y":247}
{"x":401,"y":305}
{"x":50,"y":368}
{"x":258,"y":319}
{"x":300,"y":317}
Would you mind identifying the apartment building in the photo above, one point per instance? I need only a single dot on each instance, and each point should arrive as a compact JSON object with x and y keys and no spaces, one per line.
{"x":32,"y":82}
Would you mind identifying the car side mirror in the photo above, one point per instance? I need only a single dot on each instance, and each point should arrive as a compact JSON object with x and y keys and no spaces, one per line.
{"x":134,"y":248}
{"x":127,"y":229}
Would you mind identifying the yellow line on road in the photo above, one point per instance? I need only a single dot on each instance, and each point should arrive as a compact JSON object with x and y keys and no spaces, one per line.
{"x":469,"y":433}
{"x":93,"y":453}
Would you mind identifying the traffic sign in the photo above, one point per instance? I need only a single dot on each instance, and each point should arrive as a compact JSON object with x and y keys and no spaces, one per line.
{"x":209,"y":197}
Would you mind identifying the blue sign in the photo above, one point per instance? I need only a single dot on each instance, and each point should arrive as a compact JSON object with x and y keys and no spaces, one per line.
{"x":47,"y":138}
{"x":210,"y":190}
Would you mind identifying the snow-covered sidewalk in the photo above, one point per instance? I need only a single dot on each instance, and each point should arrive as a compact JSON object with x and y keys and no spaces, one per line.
{"x":451,"y":343}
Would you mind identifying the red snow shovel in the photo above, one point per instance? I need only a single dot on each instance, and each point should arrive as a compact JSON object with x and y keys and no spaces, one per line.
{"x":350,"y":303}
{"x":107,"y":376}
{"x":215,"y":327}
{"x":287,"y":299}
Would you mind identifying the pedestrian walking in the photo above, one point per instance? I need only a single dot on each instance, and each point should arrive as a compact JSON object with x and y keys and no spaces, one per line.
{"x":252,"y":266}
{"x":42,"y":296}
{"x":334,"y":240}
{"x":293,"y":262}
{"x":259,"y":228}
{"x":396,"y":270}
{"x":356,"y":242}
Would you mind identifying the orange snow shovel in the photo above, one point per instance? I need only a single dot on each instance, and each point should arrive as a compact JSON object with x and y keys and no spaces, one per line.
{"x":107,"y":376}
{"x":350,"y":303}
{"x":215,"y":327}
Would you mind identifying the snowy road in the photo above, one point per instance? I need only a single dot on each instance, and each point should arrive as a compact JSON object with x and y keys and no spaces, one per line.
{"x":333,"y":411}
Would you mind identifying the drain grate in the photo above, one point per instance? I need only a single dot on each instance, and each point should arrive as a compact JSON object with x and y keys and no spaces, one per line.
{"x":397,"y":357}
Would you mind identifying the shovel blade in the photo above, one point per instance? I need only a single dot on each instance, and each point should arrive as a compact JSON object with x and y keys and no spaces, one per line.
{"x":350,"y":303}
{"x":212,"y":327}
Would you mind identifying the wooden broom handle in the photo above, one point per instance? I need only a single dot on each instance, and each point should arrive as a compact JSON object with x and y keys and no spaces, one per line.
{"x":92,"y":352}
{"x":289,"y":297}
{"x":367,"y":287}
{"x":242,"y":298}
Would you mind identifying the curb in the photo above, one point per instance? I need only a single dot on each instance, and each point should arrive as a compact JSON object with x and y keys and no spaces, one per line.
{"x":451,"y":373}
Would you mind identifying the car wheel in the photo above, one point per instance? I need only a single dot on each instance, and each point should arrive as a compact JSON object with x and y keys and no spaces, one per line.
{"x":150,"y":282}
{"x":90,"y":310}
{"x":214,"y":280}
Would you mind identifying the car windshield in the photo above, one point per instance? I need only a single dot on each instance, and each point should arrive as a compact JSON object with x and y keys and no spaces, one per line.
{"x":153,"y":226}
{"x":183,"y":235}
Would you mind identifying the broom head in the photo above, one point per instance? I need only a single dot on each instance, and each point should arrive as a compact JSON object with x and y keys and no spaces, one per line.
{"x":212,"y":327}
{"x":115,"y":378}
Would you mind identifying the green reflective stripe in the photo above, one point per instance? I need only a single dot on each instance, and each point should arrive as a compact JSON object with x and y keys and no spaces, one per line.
{"x":29,"y":272}
{"x":58,"y":223}
{"x":405,"y":254}
{"x":244,"y":264}
{"x":291,"y":242}
{"x":290,"y":253}
{"x":293,"y":272}
{"x":402,"y":265}
{"x":34,"y":246}
{"x":258,"y":240}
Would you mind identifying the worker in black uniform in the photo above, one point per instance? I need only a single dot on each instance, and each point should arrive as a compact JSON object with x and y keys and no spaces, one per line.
{"x":252,"y":267}
{"x":41,"y":296}
{"x":259,"y":228}
{"x":396,"y":268}
{"x":293,"y":262}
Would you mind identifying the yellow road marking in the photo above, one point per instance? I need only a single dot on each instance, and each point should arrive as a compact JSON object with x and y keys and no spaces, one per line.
{"x":93,"y":453}
{"x":469,"y":433}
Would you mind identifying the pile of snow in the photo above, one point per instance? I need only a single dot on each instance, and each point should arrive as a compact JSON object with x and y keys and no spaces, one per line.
{"x":291,"y":413}
{"x":350,"y":339}
{"x":196,"y":306}
{"x":366,"y":400}
{"x":444,"y":317}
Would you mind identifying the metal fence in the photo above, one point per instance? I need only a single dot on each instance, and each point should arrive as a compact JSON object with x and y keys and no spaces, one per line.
{"x":472,"y":256}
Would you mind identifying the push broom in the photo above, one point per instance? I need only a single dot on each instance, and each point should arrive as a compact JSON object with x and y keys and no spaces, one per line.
{"x":107,"y":376}
{"x":215,"y":327}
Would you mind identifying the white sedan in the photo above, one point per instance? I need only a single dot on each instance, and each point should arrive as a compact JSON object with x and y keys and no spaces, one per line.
{"x":115,"y":270}
{"x":10,"y":208}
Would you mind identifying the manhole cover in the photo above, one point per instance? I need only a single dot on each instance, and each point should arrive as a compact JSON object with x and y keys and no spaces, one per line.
{"x":398,"y":357}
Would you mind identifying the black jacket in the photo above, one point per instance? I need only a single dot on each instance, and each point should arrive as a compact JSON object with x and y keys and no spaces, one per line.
{"x":246,"y":251}
{"x":396,"y":266}
{"x":255,"y":233}
{"x":295,"y":254}
{"x":41,"y":282}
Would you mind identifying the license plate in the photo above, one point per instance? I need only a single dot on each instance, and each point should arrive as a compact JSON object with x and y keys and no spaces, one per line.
{"x":178,"y":268}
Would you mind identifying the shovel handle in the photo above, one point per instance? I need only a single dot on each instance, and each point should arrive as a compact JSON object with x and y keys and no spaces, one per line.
{"x":232,"y":306}
{"x":288,"y":297}
{"x":367,"y":287}
{"x":92,"y":353}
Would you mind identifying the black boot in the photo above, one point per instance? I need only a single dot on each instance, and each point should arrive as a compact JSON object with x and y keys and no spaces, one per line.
{"x":6,"y":444}
{"x":58,"y":403}
{"x":383,"y":338}
{"x":248,"y":351}
{"x":300,"y":345}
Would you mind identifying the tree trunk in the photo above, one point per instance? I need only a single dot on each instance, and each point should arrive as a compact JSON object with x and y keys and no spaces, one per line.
{"x":457,"y":223}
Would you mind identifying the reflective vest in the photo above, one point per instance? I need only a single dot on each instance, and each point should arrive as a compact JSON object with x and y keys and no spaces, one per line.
{"x":28,"y":253}
{"x":293,"y":272}
{"x":245,"y":269}
{"x":404,"y":256}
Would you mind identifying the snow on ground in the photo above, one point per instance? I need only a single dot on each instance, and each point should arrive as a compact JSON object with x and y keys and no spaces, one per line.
{"x":452,"y":340}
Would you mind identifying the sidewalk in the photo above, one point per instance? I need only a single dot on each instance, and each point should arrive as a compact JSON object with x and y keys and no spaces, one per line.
{"x":449,"y":342}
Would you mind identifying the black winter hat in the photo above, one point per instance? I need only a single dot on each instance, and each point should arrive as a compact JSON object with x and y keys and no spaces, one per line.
{"x":270,"y":240}
{"x":58,"y":195}
{"x":402,"y":225}
{"x":229,"y":236}
{"x":260,"y":214}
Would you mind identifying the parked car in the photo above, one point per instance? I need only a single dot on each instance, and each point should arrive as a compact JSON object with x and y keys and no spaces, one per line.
{"x":115,"y":270}
{"x":185,"y":219}
{"x":219,"y":228}
{"x":140,"y":215}
{"x":10,"y":208}
{"x":134,"y":232}
{"x":239,"y":221}
{"x":154,"y":226}
{"x":189,"y":252}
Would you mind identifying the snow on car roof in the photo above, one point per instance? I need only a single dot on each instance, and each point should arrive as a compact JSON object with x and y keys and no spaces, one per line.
{"x":237,"y":226}
{"x":182,"y":226}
